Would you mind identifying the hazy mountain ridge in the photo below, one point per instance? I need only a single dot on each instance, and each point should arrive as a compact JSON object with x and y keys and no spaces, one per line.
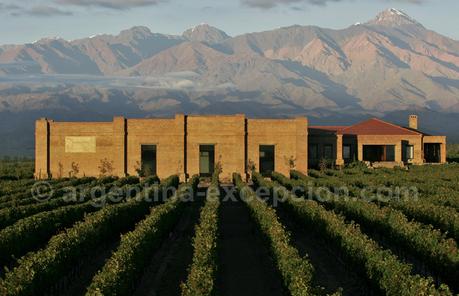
{"x":205,"y":33}
{"x":387,"y":65}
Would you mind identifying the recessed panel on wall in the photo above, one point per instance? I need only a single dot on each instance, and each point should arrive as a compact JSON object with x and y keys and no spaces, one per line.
{"x":80,"y":144}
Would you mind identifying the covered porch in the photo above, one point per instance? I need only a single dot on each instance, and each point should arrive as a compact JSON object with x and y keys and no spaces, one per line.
{"x":434,"y":149}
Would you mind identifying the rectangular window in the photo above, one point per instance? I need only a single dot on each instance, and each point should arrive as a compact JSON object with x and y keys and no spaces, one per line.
{"x":206,"y":160}
{"x":347,"y":152}
{"x":409,"y":152}
{"x":376,"y":153}
{"x":148,"y":160}
{"x":313,"y":151}
{"x":267,"y":158}
{"x":390,"y":153}
{"x":328,"y":152}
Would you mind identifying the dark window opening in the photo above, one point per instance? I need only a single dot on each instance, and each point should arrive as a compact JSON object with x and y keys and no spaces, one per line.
{"x":432,"y":153}
{"x":328,"y":152}
{"x":267,"y":159}
{"x":206,"y":160}
{"x":313,"y":151}
{"x":148,"y":160}
{"x":347,"y":152}
{"x":375,"y":153}
{"x":390,"y":153}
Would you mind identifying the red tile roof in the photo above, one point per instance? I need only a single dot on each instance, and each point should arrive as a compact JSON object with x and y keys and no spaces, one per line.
{"x":371,"y":126}
{"x":328,"y":128}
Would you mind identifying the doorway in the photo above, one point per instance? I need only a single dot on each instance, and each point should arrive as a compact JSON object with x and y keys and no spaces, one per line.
{"x":148,"y":160}
{"x":206,"y":160}
{"x":267,"y":156}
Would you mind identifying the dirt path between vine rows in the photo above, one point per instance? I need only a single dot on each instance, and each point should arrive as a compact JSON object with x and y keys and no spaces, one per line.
{"x":245,"y":267}
{"x":169,"y":265}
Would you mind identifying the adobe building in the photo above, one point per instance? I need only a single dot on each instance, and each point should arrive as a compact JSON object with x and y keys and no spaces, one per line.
{"x":184,"y":145}
{"x":189,"y":145}
{"x":376,"y":141}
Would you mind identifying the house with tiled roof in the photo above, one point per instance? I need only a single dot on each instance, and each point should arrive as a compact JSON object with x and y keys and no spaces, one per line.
{"x":377,"y":142}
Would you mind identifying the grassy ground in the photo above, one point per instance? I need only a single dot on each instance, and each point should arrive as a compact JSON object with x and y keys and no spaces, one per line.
{"x":16,"y":168}
{"x":453,"y":152}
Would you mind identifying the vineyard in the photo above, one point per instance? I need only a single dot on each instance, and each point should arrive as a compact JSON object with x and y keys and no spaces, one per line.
{"x":355,"y":231}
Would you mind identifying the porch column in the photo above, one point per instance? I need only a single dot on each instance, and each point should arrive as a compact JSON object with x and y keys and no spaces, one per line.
{"x":398,"y":152}
{"x":359,"y":149}
{"x":339,"y":150}
{"x":443,"y":152}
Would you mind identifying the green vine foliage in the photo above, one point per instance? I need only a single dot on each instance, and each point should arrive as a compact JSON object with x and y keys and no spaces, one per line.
{"x":37,"y":271}
{"x":297,"y":272}
{"x":203,"y":270}
{"x":381,"y":267}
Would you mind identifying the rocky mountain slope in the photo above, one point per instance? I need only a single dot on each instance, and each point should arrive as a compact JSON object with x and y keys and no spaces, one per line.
{"x":388,"y":65}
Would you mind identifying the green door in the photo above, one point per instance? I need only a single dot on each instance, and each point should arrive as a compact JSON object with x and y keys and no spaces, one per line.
{"x":148,"y":160}
{"x":206,"y":160}
{"x":267,"y":157}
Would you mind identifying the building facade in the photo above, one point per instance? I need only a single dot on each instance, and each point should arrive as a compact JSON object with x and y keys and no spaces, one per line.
{"x":183,"y":145}
{"x":377,"y":142}
{"x":189,"y":145}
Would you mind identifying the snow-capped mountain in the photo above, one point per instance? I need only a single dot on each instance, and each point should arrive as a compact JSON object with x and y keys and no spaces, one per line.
{"x":389,"y":64}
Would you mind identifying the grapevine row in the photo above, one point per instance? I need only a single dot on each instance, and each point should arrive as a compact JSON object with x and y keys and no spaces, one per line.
{"x":9,"y":216}
{"x":127,"y":263}
{"x":381,"y":267}
{"x":296,"y":272}
{"x":441,"y":217}
{"x":422,"y":210}
{"x":203,"y":269}
{"x":430,"y":245}
{"x":40,"y":270}
{"x":17,"y":239}
{"x":57,"y":185}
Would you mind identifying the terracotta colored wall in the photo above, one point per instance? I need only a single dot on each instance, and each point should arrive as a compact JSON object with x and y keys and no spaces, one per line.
{"x":168,"y":136}
{"x":290,"y":138}
{"x":226,"y":133}
{"x":414,"y":140}
{"x":41,"y":149}
{"x":120,"y":141}
{"x":60,"y":161}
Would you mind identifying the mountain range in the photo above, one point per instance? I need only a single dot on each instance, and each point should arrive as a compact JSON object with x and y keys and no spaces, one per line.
{"x":387,"y":67}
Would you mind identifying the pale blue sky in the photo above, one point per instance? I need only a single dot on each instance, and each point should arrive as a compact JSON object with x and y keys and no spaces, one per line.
{"x":29,"y":20}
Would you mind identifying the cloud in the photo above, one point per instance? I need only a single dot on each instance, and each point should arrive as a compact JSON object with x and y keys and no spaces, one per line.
{"x":38,"y":10}
{"x":113,"y":4}
{"x":9,"y":7}
{"x":43,"y":10}
{"x":268,"y":4}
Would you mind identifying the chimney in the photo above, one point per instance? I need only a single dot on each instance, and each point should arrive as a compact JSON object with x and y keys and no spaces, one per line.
{"x":413,"y":122}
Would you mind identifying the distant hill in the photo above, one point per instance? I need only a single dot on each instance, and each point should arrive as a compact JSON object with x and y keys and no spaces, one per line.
{"x":386,"y":67}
